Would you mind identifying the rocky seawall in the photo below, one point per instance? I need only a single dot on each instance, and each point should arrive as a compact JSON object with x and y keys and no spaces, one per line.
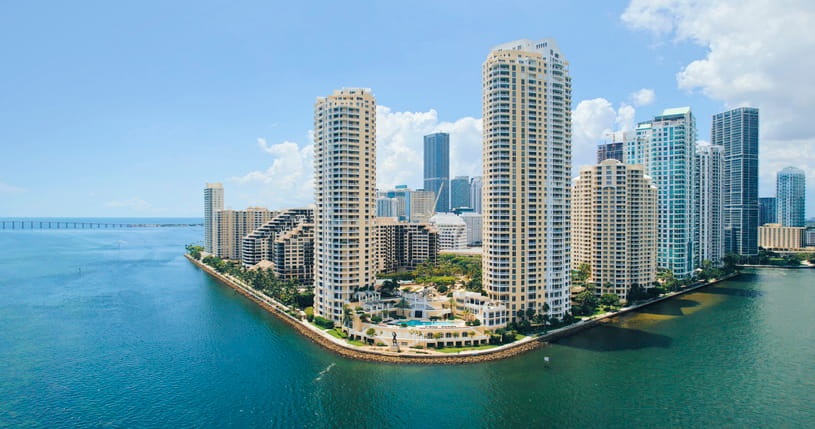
{"x":411,"y":356}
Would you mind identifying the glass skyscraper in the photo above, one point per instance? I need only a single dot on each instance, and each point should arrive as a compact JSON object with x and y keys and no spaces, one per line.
{"x":475,"y":194}
{"x":666,"y":147}
{"x":437,"y":169}
{"x":737,"y":131}
{"x":613,"y":150}
{"x":767,"y":210}
{"x":790,"y":193}
{"x":460,"y":192}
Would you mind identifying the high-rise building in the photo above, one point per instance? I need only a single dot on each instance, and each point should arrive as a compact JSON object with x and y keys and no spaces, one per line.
{"x":790,"y":194}
{"x":437,"y":168}
{"x":399,"y":205}
{"x":665,"y":146}
{"x":232,"y":226}
{"x":767,"y":210}
{"x":614,"y":226}
{"x":421,"y":205}
{"x":213,"y":201}
{"x":460,"y":192}
{"x":286,"y":242}
{"x":475,"y":194}
{"x":527,"y":161}
{"x":344,"y":196}
{"x":474,"y":227}
{"x":708,"y":189}
{"x":737,"y":131}
{"x":613,"y":147}
{"x":387,"y":207}
{"x":403,"y":246}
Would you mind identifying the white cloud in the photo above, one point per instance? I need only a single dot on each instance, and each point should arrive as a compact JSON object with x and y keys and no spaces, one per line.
{"x":288,"y":182}
{"x":592,"y":121}
{"x":758,"y":54}
{"x":5,"y":188}
{"x":135,"y":204}
{"x":643,"y":97}
{"x":400,"y":146}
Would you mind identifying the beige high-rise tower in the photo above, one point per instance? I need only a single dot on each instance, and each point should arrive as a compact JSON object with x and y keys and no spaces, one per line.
{"x":213,"y":202}
{"x":345,"y":198}
{"x":614,"y":226}
{"x":527,"y":160}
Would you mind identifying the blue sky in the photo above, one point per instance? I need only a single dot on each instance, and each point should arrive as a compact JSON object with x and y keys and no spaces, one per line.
{"x":129,"y":108}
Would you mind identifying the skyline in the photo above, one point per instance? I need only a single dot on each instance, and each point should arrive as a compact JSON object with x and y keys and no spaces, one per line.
{"x":128,"y":110}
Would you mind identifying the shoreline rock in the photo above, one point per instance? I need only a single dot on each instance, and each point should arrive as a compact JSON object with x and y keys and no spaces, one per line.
{"x":464,"y":357}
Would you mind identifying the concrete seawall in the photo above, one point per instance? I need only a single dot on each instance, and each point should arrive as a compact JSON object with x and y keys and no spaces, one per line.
{"x":341,"y":348}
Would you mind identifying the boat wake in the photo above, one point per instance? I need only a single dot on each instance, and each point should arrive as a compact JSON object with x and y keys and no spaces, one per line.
{"x":324,"y":372}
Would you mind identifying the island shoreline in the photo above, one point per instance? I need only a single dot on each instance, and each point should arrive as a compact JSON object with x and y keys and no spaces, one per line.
{"x":505,"y":351}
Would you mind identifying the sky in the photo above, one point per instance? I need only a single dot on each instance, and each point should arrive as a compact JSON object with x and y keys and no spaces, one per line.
{"x":125,"y":109}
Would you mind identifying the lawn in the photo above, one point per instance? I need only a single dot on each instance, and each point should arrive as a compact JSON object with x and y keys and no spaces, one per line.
{"x":461,"y":349}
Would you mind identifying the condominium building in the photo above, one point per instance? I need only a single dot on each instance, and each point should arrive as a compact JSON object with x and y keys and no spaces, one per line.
{"x":397,"y":205}
{"x":388,"y":207}
{"x":344,"y":196}
{"x":233,"y":225}
{"x":665,"y":146}
{"x":452,"y":231}
{"x":614,"y":226}
{"x":460,"y":192}
{"x":527,"y":157}
{"x":437,"y":169}
{"x":737,"y":131}
{"x":767,"y":210}
{"x":403,"y":246}
{"x":475,"y":194}
{"x":774,"y":236}
{"x":287,"y":243}
{"x":474,"y":227}
{"x":708,"y":188}
{"x":790,"y":194}
{"x":213,"y":201}
{"x":422,"y":203}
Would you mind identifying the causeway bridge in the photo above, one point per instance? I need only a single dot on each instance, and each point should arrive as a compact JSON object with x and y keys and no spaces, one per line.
{"x":70,"y":224}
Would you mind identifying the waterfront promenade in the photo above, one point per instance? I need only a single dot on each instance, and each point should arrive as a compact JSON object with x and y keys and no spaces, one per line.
{"x":426,"y":356}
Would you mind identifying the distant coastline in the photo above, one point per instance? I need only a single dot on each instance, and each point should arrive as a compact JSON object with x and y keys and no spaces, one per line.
{"x":341,"y":348}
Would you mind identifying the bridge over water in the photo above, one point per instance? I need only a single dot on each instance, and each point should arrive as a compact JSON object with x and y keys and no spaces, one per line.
{"x":45,"y":224}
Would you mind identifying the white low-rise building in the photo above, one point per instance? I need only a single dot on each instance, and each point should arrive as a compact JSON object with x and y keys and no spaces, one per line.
{"x":490,"y":313}
{"x":452,"y":231}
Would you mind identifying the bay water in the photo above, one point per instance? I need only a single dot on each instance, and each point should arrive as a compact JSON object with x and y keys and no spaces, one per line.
{"x":115,"y":328}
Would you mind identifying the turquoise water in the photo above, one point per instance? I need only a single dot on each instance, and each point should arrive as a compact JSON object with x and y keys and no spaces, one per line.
{"x":115,"y":328}
{"x":412,"y":323}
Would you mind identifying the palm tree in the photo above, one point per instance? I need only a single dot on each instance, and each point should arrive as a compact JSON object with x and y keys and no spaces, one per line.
{"x":347,"y":316}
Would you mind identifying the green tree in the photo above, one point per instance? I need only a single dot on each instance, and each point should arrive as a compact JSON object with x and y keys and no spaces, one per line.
{"x":347,"y":316}
{"x":194,"y":251}
{"x":585,"y":303}
{"x":582,"y":274}
{"x":388,"y":287}
{"x":610,"y":300}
